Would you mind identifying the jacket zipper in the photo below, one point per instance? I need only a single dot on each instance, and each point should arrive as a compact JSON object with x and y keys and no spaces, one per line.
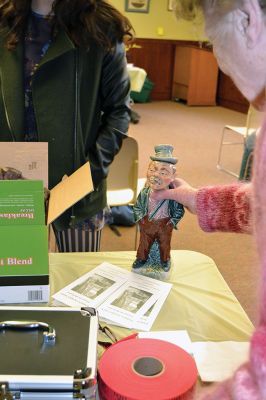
{"x":76,"y":114}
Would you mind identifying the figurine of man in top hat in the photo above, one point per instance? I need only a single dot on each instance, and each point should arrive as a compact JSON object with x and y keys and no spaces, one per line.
{"x":156,"y":219}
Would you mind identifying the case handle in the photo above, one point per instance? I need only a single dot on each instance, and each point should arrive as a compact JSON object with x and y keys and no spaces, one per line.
{"x":49,"y":333}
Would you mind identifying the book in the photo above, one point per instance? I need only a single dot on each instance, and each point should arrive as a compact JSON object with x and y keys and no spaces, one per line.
{"x":121,"y":297}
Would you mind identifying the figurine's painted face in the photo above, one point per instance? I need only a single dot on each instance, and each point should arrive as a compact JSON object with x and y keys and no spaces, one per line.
{"x":160,"y":175}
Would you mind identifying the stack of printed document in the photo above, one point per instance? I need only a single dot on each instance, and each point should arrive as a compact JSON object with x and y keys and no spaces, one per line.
{"x":121,"y":297}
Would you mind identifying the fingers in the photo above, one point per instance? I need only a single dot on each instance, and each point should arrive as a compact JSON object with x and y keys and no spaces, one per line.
{"x":163,"y":194}
{"x":179,"y":182}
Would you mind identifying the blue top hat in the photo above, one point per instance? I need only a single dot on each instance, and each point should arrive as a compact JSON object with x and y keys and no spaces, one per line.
{"x":164,"y":153}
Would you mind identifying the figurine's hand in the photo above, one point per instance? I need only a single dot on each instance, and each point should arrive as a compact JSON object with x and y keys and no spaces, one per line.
{"x":182,"y":192}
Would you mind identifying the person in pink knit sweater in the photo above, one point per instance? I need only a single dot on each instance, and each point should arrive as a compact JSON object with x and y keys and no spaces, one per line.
{"x":237,"y":31}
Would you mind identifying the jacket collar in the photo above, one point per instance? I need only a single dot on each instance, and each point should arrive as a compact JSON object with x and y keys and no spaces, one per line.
{"x":12,"y":71}
{"x":61,"y":45}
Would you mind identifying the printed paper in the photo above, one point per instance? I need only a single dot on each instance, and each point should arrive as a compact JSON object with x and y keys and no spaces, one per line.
{"x":121,"y":297}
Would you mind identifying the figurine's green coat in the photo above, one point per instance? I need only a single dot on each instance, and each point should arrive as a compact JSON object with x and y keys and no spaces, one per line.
{"x":140,"y":209}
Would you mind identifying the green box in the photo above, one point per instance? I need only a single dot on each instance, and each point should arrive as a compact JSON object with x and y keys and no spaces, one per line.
{"x":144,"y":95}
{"x":24,"y":264}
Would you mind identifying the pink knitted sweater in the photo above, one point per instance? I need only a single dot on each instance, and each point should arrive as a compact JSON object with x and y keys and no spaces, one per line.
{"x":242,"y":208}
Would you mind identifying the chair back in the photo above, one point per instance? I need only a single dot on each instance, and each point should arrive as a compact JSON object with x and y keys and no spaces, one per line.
{"x":254,"y":120}
{"x":122,"y":180}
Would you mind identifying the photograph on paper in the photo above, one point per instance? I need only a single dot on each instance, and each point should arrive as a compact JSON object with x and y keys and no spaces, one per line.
{"x":132,"y":299}
{"x":93,"y":286}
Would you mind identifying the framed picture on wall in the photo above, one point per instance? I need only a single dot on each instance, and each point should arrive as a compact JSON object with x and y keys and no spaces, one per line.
{"x":170,"y":5}
{"x":141,"y":6}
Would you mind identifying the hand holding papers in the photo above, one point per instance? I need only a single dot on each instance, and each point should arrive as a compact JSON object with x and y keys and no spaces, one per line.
{"x":121,"y":297}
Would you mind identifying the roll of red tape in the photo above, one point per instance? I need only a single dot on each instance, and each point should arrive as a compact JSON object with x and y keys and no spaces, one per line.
{"x":146,"y":369}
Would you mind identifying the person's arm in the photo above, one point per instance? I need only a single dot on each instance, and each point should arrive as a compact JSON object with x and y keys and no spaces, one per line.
{"x":115,"y":89}
{"x":225,"y":208}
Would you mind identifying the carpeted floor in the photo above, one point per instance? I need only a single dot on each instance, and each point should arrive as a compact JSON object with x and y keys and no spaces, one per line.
{"x":195,"y":133}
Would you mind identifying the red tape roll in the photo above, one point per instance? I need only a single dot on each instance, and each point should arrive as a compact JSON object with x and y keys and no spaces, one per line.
{"x":146,"y":369}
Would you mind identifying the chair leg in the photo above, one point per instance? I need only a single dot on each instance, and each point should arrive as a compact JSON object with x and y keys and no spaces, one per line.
{"x":224,"y":143}
{"x":220,"y":150}
{"x":247,"y":172}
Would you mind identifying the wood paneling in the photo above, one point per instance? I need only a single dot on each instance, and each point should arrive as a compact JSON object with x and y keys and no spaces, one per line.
{"x":157,"y":57}
{"x":229,"y":96}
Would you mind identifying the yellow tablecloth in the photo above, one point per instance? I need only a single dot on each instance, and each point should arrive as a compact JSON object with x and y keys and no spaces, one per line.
{"x":137,"y":77}
{"x":200,"y":301}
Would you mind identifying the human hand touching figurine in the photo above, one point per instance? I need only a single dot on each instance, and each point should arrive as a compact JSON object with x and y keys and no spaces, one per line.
{"x":156,"y":217}
{"x":179,"y":191}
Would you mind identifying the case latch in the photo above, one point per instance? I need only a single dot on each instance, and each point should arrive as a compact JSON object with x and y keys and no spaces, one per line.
{"x":4,"y":392}
{"x":84,"y":386}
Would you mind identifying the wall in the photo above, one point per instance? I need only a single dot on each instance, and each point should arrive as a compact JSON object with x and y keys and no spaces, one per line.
{"x":155,"y":47}
{"x":160,"y":23}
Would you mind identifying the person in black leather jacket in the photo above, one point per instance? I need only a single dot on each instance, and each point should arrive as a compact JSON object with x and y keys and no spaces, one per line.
{"x":64,"y":81}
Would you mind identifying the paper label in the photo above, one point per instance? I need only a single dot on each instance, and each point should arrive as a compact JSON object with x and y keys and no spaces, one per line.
{"x":21,"y":203}
{"x":24,"y":251}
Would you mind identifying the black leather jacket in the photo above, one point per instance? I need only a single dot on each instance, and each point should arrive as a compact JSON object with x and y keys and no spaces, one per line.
{"x":81,"y":103}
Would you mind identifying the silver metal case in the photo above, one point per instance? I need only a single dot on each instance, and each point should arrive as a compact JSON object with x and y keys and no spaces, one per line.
{"x":48,"y":353}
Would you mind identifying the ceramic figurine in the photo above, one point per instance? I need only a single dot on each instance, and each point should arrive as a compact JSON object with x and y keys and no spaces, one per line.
{"x":156,"y":219}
